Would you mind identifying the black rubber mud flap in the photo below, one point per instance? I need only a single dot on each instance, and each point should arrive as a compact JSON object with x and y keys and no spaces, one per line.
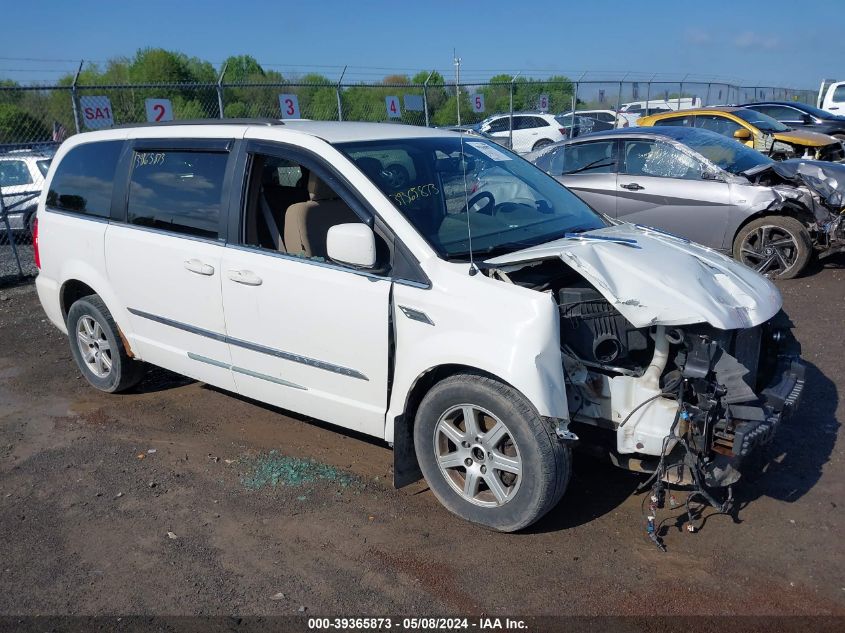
{"x":406,"y":469}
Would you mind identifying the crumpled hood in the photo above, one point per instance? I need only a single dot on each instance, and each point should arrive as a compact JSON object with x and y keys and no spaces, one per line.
{"x":665,"y":281}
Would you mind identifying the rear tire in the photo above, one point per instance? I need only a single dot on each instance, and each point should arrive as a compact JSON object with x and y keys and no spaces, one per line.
{"x":777,"y":246}
{"x":98,"y":349}
{"x":504,"y":470}
{"x":544,"y":142}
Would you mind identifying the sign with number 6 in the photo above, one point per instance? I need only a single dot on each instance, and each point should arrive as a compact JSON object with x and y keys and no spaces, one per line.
{"x":393,"y":110}
{"x":477,"y":103}
{"x":289,"y":105}
{"x":543,"y":103}
{"x":159,"y":110}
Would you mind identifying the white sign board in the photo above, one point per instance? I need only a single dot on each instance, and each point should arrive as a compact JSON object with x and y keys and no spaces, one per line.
{"x":477,"y":101}
{"x":159,"y":110}
{"x":393,"y":110}
{"x":289,"y":105}
{"x":543,"y":103}
{"x":414,"y":103}
{"x":96,"y":112}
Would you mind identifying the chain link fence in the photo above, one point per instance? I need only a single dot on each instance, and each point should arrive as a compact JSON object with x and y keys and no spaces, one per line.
{"x":35,"y":119}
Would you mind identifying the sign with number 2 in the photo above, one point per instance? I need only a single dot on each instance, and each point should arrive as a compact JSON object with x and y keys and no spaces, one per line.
{"x":159,"y":110}
{"x":289,"y":105}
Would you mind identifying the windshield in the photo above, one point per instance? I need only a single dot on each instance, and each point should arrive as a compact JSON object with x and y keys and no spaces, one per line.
{"x":759,"y":120}
{"x":730,"y":155}
{"x":505,"y":202}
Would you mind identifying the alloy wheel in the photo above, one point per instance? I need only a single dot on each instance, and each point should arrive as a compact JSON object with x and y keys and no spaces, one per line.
{"x":770,"y":250}
{"x":477,"y":455}
{"x":94,"y":346}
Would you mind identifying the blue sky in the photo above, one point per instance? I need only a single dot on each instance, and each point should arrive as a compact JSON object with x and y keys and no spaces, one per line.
{"x":771,"y":42}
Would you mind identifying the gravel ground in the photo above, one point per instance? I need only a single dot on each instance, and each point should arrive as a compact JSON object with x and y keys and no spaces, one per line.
{"x":178,"y":498}
{"x":8,"y":266}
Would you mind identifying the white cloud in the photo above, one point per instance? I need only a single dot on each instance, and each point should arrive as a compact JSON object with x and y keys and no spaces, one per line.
{"x":750,"y":39}
{"x":697,"y":36}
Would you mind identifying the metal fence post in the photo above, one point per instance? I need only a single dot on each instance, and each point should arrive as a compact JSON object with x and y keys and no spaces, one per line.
{"x":425,"y":97}
{"x":575,"y":96}
{"x":220,"y":90}
{"x":681,"y":90}
{"x":337,"y":92}
{"x":73,"y":101}
{"x":618,"y":102}
{"x":648,"y":93}
{"x":707,"y":98}
{"x":510,"y":118}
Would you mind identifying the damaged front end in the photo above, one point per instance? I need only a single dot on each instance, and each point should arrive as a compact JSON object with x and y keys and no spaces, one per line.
{"x":815,"y":190}
{"x":678,"y":361}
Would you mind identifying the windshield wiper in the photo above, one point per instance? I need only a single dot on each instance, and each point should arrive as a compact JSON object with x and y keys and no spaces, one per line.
{"x":601,"y":162}
{"x":585,"y":237}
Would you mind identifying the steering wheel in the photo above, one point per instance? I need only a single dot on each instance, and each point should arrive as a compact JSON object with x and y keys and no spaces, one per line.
{"x":487,"y":208}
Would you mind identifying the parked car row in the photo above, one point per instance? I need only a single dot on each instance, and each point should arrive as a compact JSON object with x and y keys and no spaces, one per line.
{"x":710,"y":189}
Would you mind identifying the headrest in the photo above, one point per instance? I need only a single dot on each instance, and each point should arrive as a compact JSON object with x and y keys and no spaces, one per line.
{"x":370,"y":166}
{"x":319,"y":190}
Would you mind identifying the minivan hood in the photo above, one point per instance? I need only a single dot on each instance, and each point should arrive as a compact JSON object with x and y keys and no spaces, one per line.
{"x":661,"y":279}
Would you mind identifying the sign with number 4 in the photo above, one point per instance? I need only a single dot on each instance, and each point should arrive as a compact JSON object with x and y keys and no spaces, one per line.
{"x":289,"y":105}
{"x":393,"y":110}
{"x":477,"y":103}
{"x":159,"y":110}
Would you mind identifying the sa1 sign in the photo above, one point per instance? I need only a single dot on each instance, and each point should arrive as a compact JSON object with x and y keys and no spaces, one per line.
{"x":477,"y":103}
{"x":289,"y":105}
{"x":159,"y":110}
{"x":96,"y":112}
{"x":393,"y":110}
{"x":543,"y":103}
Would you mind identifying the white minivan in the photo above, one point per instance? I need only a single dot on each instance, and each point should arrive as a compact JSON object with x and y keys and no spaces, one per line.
{"x":479,"y":318}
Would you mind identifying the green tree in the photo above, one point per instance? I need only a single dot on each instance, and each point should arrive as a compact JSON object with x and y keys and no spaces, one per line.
{"x":19,"y":126}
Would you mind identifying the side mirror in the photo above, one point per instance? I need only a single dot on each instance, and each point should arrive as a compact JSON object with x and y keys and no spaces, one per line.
{"x":807,"y":119}
{"x":352,"y":244}
{"x":742,"y":134}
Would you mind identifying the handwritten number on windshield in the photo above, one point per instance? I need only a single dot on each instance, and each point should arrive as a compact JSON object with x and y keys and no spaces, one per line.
{"x":403,"y":198}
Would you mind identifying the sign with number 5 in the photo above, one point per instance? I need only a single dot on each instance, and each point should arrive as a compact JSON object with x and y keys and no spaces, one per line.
{"x":289,"y":105}
{"x":393,"y":110}
{"x":477,"y":103}
{"x":159,"y":110}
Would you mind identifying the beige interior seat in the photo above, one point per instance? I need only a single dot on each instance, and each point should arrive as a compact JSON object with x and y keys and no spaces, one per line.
{"x":307,"y":223}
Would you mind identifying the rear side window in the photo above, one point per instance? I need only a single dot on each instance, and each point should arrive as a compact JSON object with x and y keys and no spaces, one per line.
{"x":839,"y":94}
{"x":14,"y":173}
{"x":84,"y":180}
{"x":177,"y":191}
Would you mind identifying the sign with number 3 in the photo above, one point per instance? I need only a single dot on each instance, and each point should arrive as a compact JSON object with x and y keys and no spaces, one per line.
{"x":289,"y":105}
{"x":159,"y":110}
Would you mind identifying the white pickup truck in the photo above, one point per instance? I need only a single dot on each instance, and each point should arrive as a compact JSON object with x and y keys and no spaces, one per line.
{"x":832,"y":96}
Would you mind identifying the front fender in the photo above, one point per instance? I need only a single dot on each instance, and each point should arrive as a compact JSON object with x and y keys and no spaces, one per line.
{"x":503,"y":330}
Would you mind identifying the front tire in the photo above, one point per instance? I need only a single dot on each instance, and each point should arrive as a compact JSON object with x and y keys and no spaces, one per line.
{"x":97,"y":347}
{"x":776,"y":246}
{"x":486,"y":453}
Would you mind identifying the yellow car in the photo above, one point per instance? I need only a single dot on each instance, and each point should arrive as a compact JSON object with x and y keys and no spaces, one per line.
{"x":756,"y":130}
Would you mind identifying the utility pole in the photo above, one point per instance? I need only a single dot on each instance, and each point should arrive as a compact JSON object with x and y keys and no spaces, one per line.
{"x":457,"y":61}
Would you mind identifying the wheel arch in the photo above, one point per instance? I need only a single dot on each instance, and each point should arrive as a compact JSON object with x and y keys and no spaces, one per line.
{"x":74,"y":288}
{"x":406,"y":469}
{"x":797,"y":212}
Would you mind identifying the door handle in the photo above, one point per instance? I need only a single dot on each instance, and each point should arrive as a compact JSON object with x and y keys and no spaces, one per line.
{"x":245,"y":277}
{"x":196,"y":266}
{"x":632,"y":186}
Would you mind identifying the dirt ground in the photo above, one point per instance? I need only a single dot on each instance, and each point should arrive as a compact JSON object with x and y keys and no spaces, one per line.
{"x":161,"y":501}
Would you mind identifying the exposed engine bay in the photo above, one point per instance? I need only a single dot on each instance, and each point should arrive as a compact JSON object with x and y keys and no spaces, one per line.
{"x":813,"y":189}
{"x":686,"y":404}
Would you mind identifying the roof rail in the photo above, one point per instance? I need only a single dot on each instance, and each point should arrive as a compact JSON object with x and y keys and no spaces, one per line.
{"x":242,"y":121}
